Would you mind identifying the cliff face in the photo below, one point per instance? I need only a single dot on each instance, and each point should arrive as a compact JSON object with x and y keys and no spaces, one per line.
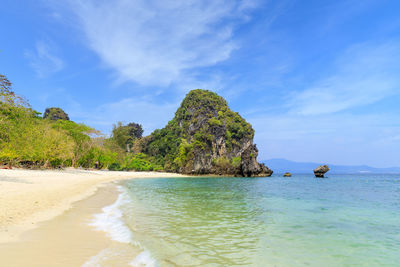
{"x":206,"y":137}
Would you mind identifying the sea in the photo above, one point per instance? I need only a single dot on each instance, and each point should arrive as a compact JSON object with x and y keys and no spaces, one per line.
{"x":340,"y":220}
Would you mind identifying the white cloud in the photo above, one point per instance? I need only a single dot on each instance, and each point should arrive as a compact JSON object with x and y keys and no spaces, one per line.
{"x":158,"y":42}
{"x":43,"y":59}
{"x":364,"y":74}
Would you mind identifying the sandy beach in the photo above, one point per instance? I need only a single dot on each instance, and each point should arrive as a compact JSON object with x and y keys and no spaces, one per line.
{"x":28,"y":197}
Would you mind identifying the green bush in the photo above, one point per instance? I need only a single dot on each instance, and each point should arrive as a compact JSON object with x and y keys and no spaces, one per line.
{"x":140,"y":162}
{"x":236,"y":162}
{"x":115,"y":166}
{"x":29,"y":140}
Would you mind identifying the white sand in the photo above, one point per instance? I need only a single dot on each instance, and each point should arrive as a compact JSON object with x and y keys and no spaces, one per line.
{"x":31,"y":196}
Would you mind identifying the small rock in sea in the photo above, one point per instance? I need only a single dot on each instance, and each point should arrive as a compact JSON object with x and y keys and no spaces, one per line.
{"x":287,"y":174}
{"x":320,"y":171}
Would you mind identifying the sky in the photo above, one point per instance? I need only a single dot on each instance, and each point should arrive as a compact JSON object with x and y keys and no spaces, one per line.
{"x":318,"y":80}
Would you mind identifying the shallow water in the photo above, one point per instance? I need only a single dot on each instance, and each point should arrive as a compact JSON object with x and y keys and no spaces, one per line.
{"x":343,"y":220}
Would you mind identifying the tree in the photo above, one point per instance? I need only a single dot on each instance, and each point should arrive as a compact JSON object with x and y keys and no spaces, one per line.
{"x":7,"y":96}
{"x":135,"y":130}
{"x":79,"y":133}
{"x":125,"y":135}
{"x":31,"y":141}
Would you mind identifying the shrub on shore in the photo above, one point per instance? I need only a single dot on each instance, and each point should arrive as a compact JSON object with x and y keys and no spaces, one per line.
{"x":28,"y":140}
{"x":140,"y":162}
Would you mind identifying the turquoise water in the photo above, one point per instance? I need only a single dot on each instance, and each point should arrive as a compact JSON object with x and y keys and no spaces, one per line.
{"x":343,"y":220}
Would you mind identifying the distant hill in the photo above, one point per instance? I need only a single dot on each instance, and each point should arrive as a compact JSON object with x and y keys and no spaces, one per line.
{"x":284,"y":165}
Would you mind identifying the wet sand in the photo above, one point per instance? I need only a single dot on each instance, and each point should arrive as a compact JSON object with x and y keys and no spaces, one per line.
{"x":68,"y":239}
{"x":28,"y":197}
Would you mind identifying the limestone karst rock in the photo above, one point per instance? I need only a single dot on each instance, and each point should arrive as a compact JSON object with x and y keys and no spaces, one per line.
{"x":206,"y":137}
{"x":320,"y":171}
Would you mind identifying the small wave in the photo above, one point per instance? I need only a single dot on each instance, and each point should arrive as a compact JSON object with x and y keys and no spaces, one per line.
{"x":144,"y":259}
{"x":96,"y":260}
{"x":111,"y":221}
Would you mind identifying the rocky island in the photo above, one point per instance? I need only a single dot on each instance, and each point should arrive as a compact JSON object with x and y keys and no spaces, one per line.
{"x":205,"y":137}
{"x":320,"y":171}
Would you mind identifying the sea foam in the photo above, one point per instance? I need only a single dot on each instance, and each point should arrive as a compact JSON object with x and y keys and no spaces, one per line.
{"x":97,"y":260}
{"x":111,"y":219}
{"x":144,"y":259}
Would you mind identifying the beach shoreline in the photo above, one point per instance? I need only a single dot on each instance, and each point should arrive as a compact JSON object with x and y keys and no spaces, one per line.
{"x":68,"y":239}
{"x":29,"y":197}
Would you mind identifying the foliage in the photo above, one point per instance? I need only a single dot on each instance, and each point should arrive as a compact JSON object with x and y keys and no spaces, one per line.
{"x":8,"y":97}
{"x":115,"y":166}
{"x":27,"y":140}
{"x":125,"y":135}
{"x":54,"y":141}
{"x":185,"y":153}
{"x":140,"y":162}
{"x":78,"y":131}
{"x":135,"y":130}
{"x":236,"y":161}
{"x":96,"y":157}
{"x":202,"y":117}
{"x":55,"y":114}
{"x":223,"y":164}
{"x":163,"y":146}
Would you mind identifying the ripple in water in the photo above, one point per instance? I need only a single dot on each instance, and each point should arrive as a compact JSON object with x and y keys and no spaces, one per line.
{"x":345,"y":220}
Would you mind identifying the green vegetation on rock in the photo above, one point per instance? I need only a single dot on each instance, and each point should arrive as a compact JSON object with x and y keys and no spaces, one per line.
{"x":55,"y":114}
{"x":204,"y":137}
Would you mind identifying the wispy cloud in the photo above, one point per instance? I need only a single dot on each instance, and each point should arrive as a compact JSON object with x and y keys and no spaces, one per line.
{"x":320,"y":123}
{"x":364,"y":74}
{"x":43,"y":59}
{"x":160,"y":42}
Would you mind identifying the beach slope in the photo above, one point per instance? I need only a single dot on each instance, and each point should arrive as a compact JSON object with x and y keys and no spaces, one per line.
{"x":28,"y":197}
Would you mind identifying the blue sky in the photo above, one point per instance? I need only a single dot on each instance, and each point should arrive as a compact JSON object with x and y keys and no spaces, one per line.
{"x":318,"y":80}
